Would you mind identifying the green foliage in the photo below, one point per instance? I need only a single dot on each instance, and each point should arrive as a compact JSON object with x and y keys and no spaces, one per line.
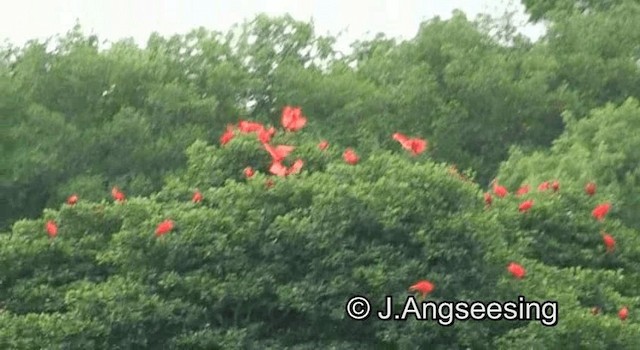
{"x":554,"y":9}
{"x":252,"y":266}
{"x":469,"y":95}
{"x":602,"y":148}
{"x":127,"y":113}
{"x":597,"y":56}
{"x":269,"y":262}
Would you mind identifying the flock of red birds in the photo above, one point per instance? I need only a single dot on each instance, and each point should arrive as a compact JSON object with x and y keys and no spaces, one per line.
{"x":425,"y":287}
{"x":293,"y":120}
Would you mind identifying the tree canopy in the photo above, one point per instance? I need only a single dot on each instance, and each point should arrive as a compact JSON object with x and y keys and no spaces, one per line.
{"x":234,"y":190}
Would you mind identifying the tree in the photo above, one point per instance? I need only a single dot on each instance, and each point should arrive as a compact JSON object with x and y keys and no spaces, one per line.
{"x":556,"y":9}
{"x":601,"y":148}
{"x":272,"y":267}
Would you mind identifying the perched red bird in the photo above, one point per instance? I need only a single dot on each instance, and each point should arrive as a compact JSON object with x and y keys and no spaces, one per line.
{"x":248,"y":172}
{"x":292,"y":118}
{"x":296,"y":167}
{"x":525,"y":206}
{"x":413,"y":145}
{"x":227,"y":136}
{"x":350,"y":156}
{"x":247,"y":127}
{"x":499,"y":190}
{"x":423,"y":287}
{"x":197,"y":197}
{"x":278,"y":153}
{"x":277,"y":168}
{"x":600,"y":211}
{"x":543,"y":186}
{"x":73,"y":199}
{"x":590,"y":188}
{"x":516,"y":270}
{"x":555,"y":186}
{"x":164,"y":227}
{"x":52,"y":228}
{"x":118,"y":195}
{"x":265,"y":135}
{"x":323,"y":145}
{"x":488,"y":199}
{"x":402,"y":138}
{"x":609,"y":242}
{"x":623,"y":313}
{"x":522,"y":190}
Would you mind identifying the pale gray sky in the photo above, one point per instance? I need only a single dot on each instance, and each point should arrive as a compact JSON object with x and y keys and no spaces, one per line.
{"x":21,"y":20}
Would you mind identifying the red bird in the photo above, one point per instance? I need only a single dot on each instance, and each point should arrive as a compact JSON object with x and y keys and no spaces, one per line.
{"x":247,"y":127}
{"x":350,"y":156}
{"x":525,"y":206}
{"x":295,"y":167}
{"x":227,"y":136}
{"x":543,"y":186}
{"x":73,"y":199}
{"x":590,"y":188}
{"x":277,"y":168}
{"x":488,"y":199}
{"x":516,"y":270}
{"x":52,"y":228}
{"x":423,"y":287}
{"x":414,"y":145}
{"x":197,"y":197}
{"x":623,"y":313}
{"x":600,"y":211}
{"x":555,"y":186}
{"x":164,"y":228}
{"x":323,"y":145}
{"x":609,"y":242}
{"x":522,"y":190}
{"x":292,"y":118}
{"x":499,"y":191}
{"x":248,"y":172}
{"x":118,"y":195}
{"x":265,"y":135}
{"x":278,"y":153}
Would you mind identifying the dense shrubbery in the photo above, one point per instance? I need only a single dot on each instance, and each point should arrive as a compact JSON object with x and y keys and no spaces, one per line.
{"x":602,"y":149}
{"x":268,"y":262}
{"x":124,"y":115}
{"x":272,"y":267}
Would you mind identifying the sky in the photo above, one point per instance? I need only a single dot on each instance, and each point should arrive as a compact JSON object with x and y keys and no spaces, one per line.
{"x":112,"y":20}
